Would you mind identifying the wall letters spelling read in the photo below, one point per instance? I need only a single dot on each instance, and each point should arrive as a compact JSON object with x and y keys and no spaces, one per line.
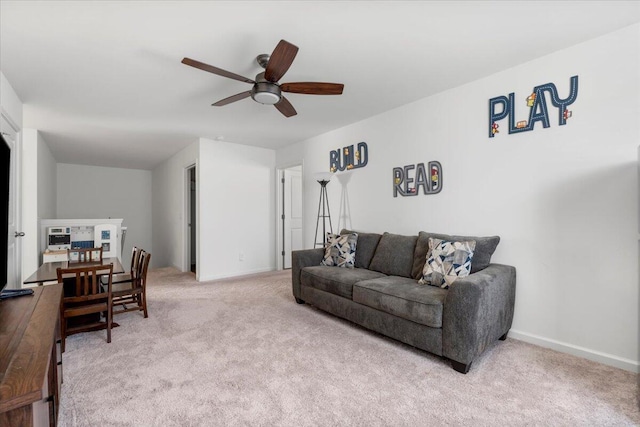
{"x":351,"y":159}
{"x":406,"y":183}
{"x":537,"y":104}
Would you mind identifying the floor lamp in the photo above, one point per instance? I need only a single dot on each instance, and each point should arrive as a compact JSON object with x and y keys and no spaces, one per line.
{"x":323,"y":211}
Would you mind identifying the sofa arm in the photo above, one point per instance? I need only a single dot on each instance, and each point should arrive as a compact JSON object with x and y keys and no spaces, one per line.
{"x":477,"y":311}
{"x":300,"y":260}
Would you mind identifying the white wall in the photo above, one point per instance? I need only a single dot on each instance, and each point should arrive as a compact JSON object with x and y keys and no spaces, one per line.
{"x":30,"y":251}
{"x":100,"y":192}
{"x":47,"y":186}
{"x":236,"y":187}
{"x":563,"y":199}
{"x":47,"y":181}
{"x":169,"y":201}
{"x":39,"y":192}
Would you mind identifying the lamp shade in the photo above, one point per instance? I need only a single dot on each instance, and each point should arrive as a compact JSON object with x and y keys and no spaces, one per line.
{"x":323,"y":176}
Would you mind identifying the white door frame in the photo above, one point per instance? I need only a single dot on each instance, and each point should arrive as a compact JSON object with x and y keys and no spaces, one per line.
{"x":186,"y":263}
{"x":280,"y":210}
{"x":11,"y":133}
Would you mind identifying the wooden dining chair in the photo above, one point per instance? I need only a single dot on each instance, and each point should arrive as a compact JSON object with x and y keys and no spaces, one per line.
{"x":78,"y":256}
{"x":84,"y":255}
{"x":133,"y":271}
{"x":86,"y":300}
{"x":134,"y":292}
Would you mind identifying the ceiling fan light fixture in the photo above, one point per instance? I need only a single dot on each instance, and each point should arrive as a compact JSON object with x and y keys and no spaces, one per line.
{"x":266,"y":93}
{"x":267,"y":98}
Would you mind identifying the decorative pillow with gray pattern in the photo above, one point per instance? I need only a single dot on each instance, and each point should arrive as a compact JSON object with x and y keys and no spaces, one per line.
{"x":446,"y":262}
{"x":340,"y":250}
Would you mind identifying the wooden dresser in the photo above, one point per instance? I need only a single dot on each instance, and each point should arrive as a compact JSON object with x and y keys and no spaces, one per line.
{"x":30,"y":358}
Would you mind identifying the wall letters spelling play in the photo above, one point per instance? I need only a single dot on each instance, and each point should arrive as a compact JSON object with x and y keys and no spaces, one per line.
{"x":350,"y":159}
{"x":537,"y":104}
{"x":406,"y":182}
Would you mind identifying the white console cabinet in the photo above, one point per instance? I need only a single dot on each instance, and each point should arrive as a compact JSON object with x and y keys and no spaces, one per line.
{"x":83,"y":233}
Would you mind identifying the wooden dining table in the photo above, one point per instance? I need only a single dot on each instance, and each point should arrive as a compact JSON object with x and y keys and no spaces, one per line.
{"x":47,"y":272}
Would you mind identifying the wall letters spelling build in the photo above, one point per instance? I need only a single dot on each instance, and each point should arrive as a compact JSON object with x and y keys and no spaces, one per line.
{"x":350,"y":159}
{"x":537,"y":104}
{"x":405,"y":185}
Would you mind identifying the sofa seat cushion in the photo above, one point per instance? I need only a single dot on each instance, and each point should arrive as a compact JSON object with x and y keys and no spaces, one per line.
{"x":338,"y":281}
{"x":402,"y":297}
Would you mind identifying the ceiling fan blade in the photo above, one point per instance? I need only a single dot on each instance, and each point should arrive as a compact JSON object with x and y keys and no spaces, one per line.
{"x":215,"y":70}
{"x":313,"y":88}
{"x":233,"y":98}
{"x":285,"y":107}
{"x":280,"y":61}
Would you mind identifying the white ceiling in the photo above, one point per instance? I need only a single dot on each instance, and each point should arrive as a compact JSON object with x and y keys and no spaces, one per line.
{"x":104,"y":84}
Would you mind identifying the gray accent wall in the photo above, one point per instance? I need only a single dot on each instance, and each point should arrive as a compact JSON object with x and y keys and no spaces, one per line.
{"x":99,"y":192}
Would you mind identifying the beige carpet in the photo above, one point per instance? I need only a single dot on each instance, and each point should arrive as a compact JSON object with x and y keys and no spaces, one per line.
{"x":242,"y":352}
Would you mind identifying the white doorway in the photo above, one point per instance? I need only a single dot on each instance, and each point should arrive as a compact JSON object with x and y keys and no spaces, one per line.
{"x":14,"y":255}
{"x":191,"y":251}
{"x":290,"y":214}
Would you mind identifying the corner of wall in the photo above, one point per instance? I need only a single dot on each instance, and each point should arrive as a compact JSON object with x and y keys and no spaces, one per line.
{"x":10,"y":103}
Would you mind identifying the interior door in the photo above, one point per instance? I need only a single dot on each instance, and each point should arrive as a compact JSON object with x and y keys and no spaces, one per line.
{"x":14,"y":266}
{"x":193,"y":226}
{"x":190,"y":224}
{"x":292,"y":223}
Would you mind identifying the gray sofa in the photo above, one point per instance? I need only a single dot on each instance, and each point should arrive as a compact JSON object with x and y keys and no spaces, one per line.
{"x":382,"y":294}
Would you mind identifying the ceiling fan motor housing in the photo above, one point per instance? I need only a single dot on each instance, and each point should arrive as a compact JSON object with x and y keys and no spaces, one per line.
{"x":265,"y":92}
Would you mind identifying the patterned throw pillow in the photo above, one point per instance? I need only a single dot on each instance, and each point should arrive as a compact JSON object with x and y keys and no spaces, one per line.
{"x":340,"y":250}
{"x":446,"y":262}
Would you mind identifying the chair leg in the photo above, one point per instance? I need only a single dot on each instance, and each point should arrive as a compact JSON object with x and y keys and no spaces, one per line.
{"x":109,"y":318}
{"x":143,"y":297}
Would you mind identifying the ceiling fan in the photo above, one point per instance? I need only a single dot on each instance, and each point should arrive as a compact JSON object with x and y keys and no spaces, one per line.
{"x":266,"y":89}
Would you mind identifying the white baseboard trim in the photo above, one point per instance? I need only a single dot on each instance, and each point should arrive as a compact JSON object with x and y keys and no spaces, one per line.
{"x":234,"y":275}
{"x":596,"y":356}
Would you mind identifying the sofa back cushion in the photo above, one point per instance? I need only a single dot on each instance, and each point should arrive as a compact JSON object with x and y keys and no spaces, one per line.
{"x":485,"y":247}
{"x":394,"y":255}
{"x":367,"y":243}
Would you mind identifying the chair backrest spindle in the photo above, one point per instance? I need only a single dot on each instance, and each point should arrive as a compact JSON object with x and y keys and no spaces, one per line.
{"x":136,"y":254}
